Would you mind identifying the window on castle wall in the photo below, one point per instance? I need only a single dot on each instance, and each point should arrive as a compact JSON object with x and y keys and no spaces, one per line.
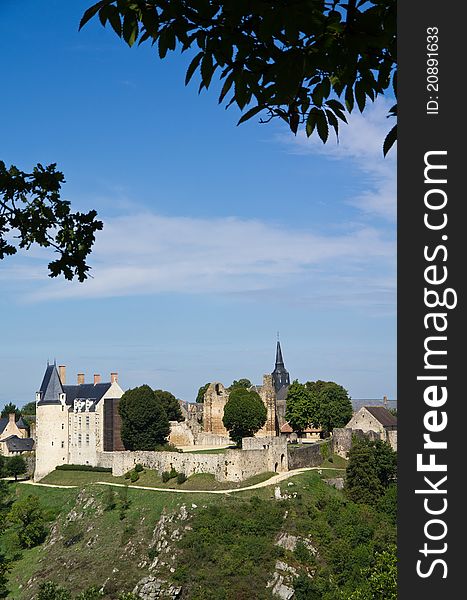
{"x":87,"y":439}
{"x":63,"y":425}
{"x":63,"y":444}
{"x":87,"y":422}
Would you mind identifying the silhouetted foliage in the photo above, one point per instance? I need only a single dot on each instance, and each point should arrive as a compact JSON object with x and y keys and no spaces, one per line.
{"x":32,"y":212}
{"x":289,"y":59}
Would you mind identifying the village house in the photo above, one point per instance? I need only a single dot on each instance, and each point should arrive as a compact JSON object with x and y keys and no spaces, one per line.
{"x":378,"y":420}
{"x":14,"y":436}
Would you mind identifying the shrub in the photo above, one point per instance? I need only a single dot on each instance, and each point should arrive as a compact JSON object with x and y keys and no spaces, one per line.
{"x":127,"y":475}
{"x":134,"y":476}
{"x":181,"y":478}
{"x":325,"y":450}
{"x":83,"y":468}
{"x":139,"y":468}
{"x":51,"y":591}
{"x":109,"y":499}
{"x":165,"y":476}
{"x":173,"y":473}
{"x":28,"y":515}
{"x":331,"y":459}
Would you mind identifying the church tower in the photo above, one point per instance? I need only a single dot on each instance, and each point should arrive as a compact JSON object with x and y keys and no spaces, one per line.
{"x":280,"y":375}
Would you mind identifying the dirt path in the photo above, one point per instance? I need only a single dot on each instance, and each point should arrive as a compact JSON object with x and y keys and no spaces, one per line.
{"x":272,"y":481}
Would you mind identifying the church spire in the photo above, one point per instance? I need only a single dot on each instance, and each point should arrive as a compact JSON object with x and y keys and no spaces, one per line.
{"x":279,"y":359}
{"x":280,"y":375}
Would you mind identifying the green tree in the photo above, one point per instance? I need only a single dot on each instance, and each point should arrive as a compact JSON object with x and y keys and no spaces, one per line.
{"x":30,"y":206}
{"x":16,"y":465}
{"x":48,"y":590}
{"x":380,"y":579}
{"x":27,"y":514}
{"x":171,"y":405}
{"x":9,"y":409}
{"x":334,"y":407}
{"x":289,"y":59}
{"x":4,"y":568}
{"x":202,"y":390}
{"x":241,"y":383}
{"x":144,"y":420}
{"x":301,"y":407}
{"x":244,"y":414}
{"x":29,"y":409}
{"x":386,"y":462}
{"x":362,"y":484}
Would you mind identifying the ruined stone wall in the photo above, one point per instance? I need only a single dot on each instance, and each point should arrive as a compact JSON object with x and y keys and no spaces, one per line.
{"x":238,"y":465}
{"x":210,"y":439}
{"x":391,"y":438}
{"x":268,"y":396}
{"x":122,"y":462}
{"x":342,"y":439}
{"x":304,"y":456}
{"x":275,"y":449}
{"x":215,"y":399}
{"x":181,"y":434}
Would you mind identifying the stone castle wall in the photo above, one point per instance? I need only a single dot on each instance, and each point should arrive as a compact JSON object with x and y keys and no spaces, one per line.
{"x":342,"y":439}
{"x":304,"y":456}
{"x":232,"y":465}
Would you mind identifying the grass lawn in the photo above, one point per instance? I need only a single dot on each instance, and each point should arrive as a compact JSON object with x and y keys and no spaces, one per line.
{"x":148,"y":478}
{"x":337,"y":462}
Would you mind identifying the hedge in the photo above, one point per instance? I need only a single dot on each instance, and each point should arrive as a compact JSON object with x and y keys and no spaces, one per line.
{"x":83,"y":468}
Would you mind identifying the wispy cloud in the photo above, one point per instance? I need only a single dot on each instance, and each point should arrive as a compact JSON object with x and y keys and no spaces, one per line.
{"x":360,"y":143}
{"x":150,"y":254}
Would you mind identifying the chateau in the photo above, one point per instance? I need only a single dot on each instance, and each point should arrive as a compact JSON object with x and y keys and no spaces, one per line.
{"x":80,"y":424}
{"x":75,"y":422}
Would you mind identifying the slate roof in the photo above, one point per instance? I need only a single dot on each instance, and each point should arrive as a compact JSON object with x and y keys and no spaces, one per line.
{"x":51,"y":387}
{"x":17,"y":444}
{"x":382,"y":415}
{"x":20,"y":424}
{"x":85,"y":391}
{"x":3,"y":424}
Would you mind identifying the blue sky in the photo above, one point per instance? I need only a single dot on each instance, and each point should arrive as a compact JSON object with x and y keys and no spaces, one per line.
{"x":215,"y":237}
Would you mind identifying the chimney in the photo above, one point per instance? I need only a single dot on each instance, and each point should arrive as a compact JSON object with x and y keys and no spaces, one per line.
{"x":62,"y":374}
{"x":11,"y":418}
{"x":80,"y":378}
{"x":113,"y":377}
{"x":97,"y":378}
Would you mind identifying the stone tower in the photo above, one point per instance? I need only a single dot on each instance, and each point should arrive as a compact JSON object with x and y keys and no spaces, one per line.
{"x":51,"y":424}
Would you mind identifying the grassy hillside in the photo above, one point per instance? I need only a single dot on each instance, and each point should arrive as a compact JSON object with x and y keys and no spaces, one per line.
{"x":216,"y":547}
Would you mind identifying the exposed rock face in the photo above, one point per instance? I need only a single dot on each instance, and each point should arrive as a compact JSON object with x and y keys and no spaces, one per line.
{"x":150,"y":588}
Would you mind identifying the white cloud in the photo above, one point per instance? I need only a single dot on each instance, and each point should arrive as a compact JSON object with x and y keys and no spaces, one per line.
{"x":360,"y":142}
{"x":150,"y":254}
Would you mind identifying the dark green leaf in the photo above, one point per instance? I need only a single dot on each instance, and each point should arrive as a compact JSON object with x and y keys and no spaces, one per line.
{"x":360,"y":95}
{"x":193,"y":66}
{"x":250,"y":113}
{"x":90,"y":12}
{"x":390,"y":140}
{"x":322,"y":126}
{"x":130,"y":28}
